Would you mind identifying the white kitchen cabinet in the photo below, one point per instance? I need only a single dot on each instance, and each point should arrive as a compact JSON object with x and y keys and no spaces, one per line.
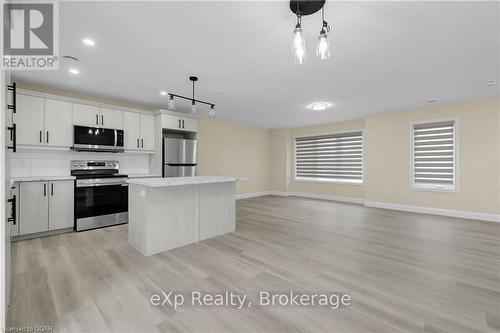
{"x":86,"y":115}
{"x":179,"y":123}
{"x":139,"y":131}
{"x":43,"y":122}
{"x":45,"y":206}
{"x":110,"y":118}
{"x":132,"y":130}
{"x":33,"y":207}
{"x":190,"y":124}
{"x":170,"y":122}
{"x":58,"y":123}
{"x":61,"y":204}
{"x":30,"y":120}
{"x":94,"y":116}
{"x":147,"y":132}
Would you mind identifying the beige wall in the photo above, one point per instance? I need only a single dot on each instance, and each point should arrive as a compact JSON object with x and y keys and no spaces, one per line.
{"x":229,"y":149}
{"x":279,"y":160}
{"x":387,"y":156}
{"x":387,"y":159}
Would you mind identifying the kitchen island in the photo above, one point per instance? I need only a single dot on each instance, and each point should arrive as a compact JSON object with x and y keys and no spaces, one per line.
{"x":165,"y":213}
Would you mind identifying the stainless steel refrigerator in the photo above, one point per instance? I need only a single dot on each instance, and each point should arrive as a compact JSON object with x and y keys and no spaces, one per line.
{"x":179,"y":157}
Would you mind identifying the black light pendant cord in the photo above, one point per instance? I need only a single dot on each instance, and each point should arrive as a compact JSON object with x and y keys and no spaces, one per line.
{"x":193,"y":92}
{"x":325,"y":24}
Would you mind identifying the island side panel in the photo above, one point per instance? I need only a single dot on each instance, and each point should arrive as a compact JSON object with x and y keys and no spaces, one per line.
{"x":217,"y":209}
{"x":172,"y":217}
{"x":137,"y":217}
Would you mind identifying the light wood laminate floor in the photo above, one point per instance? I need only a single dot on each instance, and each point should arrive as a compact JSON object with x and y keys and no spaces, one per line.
{"x":405,"y":273}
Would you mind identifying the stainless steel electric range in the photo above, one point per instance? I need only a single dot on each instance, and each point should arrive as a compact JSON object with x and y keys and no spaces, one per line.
{"x":101,"y":194}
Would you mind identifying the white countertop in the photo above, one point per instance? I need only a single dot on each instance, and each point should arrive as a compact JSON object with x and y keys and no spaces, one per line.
{"x":39,"y":178}
{"x":177,"y":181}
{"x":145,"y":175}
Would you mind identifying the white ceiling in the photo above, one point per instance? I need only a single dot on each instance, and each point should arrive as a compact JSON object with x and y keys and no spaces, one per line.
{"x":387,"y":56}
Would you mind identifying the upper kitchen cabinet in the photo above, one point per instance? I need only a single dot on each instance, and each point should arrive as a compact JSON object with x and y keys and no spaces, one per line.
{"x":86,"y":115}
{"x":30,"y":120}
{"x":132,"y":131}
{"x":58,"y":120}
{"x":43,"y":122}
{"x":110,"y":118}
{"x":179,"y":123}
{"x":147,"y":132}
{"x":94,"y":116}
{"x":139,"y":131}
{"x":190,"y":124}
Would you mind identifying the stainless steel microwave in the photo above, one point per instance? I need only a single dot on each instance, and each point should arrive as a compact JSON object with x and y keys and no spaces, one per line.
{"x":98,"y":139}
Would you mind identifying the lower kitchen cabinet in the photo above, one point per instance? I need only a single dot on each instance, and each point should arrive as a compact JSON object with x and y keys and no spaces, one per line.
{"x":61,"y":205}
{"x":45,"y":206}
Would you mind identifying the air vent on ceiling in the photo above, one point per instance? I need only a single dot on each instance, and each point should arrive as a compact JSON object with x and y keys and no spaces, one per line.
{"x":69,"y":57}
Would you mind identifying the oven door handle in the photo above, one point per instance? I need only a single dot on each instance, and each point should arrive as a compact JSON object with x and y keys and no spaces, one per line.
{"x":100,"y":184}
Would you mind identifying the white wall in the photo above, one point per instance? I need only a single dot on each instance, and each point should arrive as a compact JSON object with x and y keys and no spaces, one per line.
{"x":27,"y":163}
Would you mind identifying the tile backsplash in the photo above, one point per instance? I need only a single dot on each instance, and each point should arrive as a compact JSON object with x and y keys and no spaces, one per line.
{"x":27,"y":163}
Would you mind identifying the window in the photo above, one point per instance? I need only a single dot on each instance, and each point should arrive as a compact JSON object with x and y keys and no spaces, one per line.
{"x":433,"y":155}
{"x":333,"y":157}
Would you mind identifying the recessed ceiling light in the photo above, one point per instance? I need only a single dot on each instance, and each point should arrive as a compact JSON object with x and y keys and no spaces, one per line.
{"x":74,"y":71}
{"x":319,"y":106}
{"x":431,"y":101}
{"x":490,"y":83}
{"x":163,"y":93}
{"x":88,"y":42}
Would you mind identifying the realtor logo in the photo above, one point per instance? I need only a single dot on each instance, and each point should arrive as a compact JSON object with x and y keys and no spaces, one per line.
{"x":30,"y":36}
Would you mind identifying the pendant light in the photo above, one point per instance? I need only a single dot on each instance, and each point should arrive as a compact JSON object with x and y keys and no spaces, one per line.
{"x":303,"y":8}
{"x":211,"y":112}
{"x":171,"y":103}
{"x":299,"y":42}
{"x":323,"y":45}
{"x":193,"y":107}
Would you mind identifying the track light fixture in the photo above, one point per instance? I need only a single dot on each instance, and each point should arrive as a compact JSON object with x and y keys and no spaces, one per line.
{"x":308,"y":7}
{"x":171,"y":105}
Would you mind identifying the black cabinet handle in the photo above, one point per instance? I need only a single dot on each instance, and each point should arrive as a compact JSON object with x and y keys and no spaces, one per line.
{"x":44,"y":189}
{"x":12,"y":217}
{"x":40,"y":136}
{"x":52,"y":189}
{"x":102,"y":120}
{"x":12,"y":106}
{"x":142,"y":143}
{"x":182,"y":123}
{"x":137,"y":142}
{"x":97,"y":119}
{"x":47,"y":136}
{"x":179,"y":124}
{"x":13,"y":135}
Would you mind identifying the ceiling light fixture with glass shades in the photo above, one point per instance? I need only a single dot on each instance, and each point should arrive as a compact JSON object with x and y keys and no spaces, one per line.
{"x":171,"y":103}
{"x":301,"y":8}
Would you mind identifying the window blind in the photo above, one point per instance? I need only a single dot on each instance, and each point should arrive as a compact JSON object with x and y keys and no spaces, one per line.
{"x":333,"y":157}
{"x":434,"y":154}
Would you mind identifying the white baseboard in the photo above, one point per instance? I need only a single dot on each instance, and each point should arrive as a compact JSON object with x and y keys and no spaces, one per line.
{"x":251,"y":195}
{"x":327,"y":197}
{"x":435,"y":211}
{"x":384,"y":205}
{"x":300,"y":194}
